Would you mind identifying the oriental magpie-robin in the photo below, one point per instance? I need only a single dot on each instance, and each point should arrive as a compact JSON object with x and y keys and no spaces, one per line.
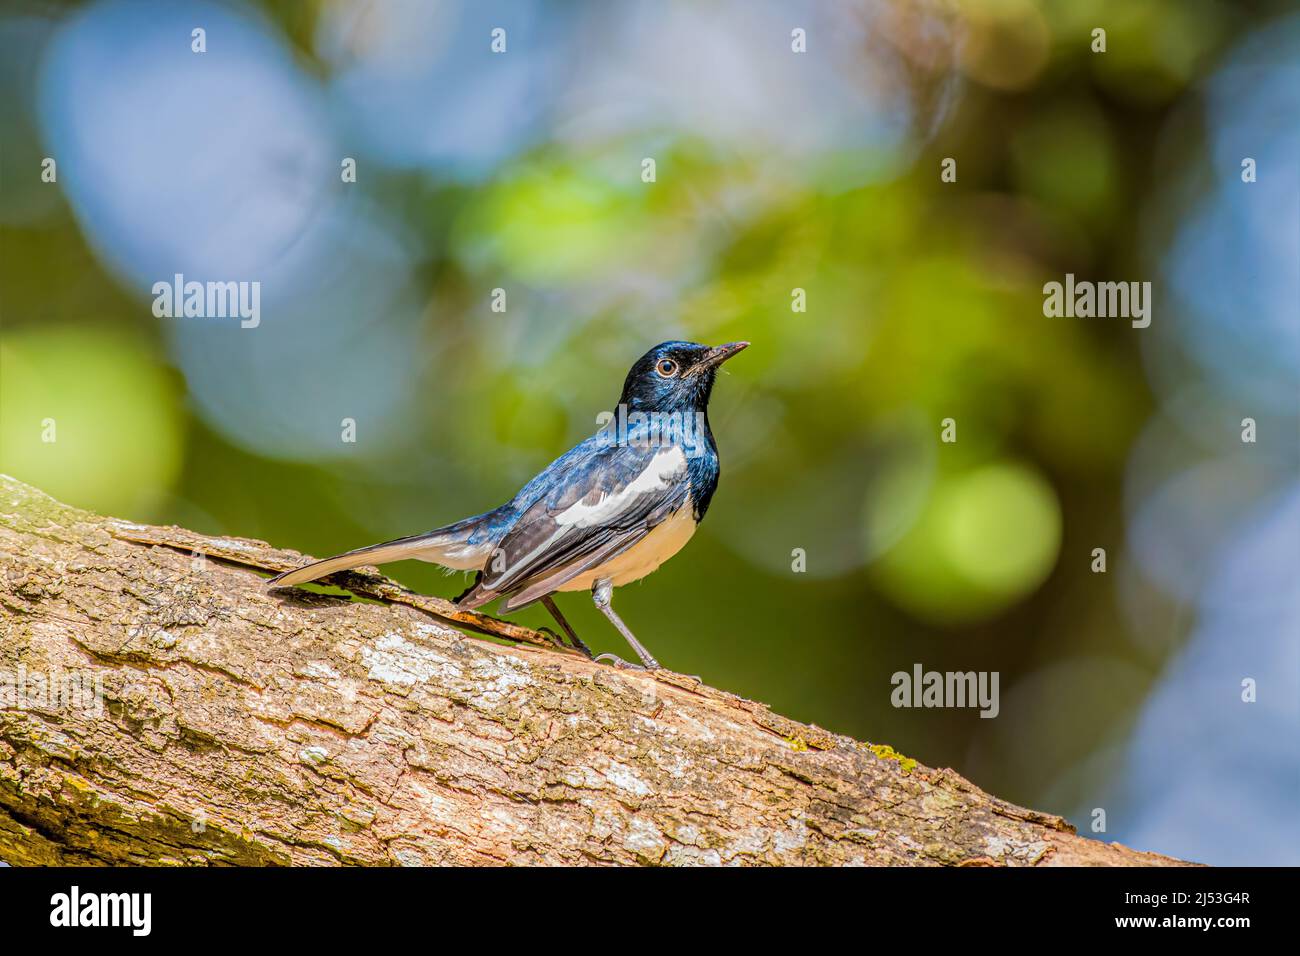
{"x":607,"y":512}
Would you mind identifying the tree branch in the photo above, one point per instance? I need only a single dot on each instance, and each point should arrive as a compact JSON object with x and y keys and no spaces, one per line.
{"x":244,"y":727}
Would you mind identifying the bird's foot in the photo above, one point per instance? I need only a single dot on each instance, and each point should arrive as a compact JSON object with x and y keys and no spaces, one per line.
{"x":575,"y":644}
{"x":651,"y":665}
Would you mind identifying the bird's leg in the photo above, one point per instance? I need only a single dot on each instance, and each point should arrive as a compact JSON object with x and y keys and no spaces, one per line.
{"x":559,"y":619}
{"x":600,"y":594}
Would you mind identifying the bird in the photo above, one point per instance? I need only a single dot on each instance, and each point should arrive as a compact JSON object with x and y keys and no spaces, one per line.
{"x":606,"y":513}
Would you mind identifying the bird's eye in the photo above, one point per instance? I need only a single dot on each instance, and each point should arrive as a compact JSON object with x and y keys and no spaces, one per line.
{"x":667,"y":368}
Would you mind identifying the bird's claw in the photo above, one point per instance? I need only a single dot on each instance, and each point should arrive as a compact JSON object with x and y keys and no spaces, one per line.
{"x":575,"y":645}
{"x":624,"y":665}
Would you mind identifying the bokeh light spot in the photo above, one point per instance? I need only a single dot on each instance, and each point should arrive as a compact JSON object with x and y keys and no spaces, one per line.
{"x":1003,"y":528}
{"x":107,"y":405}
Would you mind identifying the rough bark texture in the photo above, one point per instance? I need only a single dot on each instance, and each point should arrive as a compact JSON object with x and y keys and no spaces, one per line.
{"x":244,"y":727}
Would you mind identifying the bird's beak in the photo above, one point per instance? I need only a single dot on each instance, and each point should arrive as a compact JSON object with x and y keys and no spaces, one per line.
{"x":719,"y":354}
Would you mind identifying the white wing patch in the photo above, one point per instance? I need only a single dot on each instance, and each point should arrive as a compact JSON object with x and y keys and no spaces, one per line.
{"x":665,"y":466}
{"x":665,"y":540}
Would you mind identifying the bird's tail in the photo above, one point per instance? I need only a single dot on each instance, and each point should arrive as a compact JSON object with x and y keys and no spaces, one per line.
{"x":463,"y":546}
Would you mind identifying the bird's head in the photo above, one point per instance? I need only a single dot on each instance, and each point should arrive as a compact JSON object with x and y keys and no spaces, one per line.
{"x":675,"y":376}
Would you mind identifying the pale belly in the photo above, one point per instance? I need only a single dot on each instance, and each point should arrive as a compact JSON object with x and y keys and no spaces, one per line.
{"x":667,"y":538}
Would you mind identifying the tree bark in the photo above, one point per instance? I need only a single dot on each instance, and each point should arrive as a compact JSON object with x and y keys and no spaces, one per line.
{"x":244,"y":727}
